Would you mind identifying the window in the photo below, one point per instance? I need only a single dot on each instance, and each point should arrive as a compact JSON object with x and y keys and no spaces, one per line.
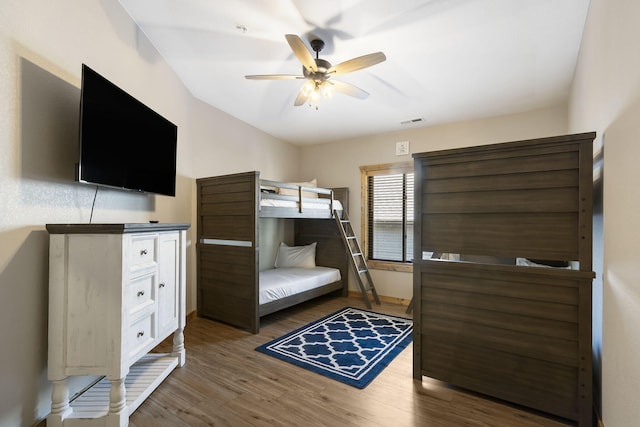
{"x":387,"y":217}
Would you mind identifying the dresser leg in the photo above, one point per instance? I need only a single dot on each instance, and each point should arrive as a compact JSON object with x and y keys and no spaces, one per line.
{"x":117,"y":396}
{"x":118,"y":415}
{"x":60,"y":408}
{"x":178,"y":346}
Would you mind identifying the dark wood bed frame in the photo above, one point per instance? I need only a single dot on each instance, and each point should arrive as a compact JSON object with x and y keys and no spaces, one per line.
{"x":228,"y":247}
{"x":522,"y":334}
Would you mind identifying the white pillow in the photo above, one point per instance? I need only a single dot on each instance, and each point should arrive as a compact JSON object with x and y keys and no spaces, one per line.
{"x":308,"y":194}
{"x":296,"y":256}
{"x":528,"y":263}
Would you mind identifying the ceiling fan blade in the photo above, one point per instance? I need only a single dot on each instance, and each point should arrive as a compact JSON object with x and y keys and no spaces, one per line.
{"x":357,"y":63}
{"x":302,"y":53}
{"x":349,"y":89}
{"x":273,"y":77}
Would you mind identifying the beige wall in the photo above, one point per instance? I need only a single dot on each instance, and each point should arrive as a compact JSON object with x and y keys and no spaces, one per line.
{"x":337,"y":164}
{"x":42,"y":47}
{"x":606,"y":98}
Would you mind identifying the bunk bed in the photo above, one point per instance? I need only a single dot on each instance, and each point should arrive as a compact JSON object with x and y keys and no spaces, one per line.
{"x":231,"y":287}
{"x":518,"y":331}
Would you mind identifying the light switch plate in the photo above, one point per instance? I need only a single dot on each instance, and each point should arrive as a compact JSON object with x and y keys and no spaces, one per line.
{"x":402,"y":148}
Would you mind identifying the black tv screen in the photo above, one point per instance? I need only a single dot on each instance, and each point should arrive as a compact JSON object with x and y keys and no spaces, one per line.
{"x":123,"y":143}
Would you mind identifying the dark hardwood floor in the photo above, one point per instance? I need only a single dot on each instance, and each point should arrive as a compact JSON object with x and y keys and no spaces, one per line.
{"x":225,"y":382}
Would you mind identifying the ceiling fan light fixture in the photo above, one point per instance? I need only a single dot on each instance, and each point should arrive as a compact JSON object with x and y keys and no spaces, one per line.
{"x":315,"y":91}
{"x":314,"y":96}
{"x":327,"y":90}
{"x":308,"y":87}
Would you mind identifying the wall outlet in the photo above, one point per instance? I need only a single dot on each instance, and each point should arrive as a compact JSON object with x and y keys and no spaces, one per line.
{"x":402,"y":148}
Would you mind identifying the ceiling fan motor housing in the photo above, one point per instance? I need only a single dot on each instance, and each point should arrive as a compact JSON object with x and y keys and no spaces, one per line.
{"x":319,"y":75}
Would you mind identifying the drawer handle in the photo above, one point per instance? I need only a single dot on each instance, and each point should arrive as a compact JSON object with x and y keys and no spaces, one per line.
{"x":162,"y":285}
{"x":143,"y":252}
{"x":140,"y":293}
{"x":140,"y":334}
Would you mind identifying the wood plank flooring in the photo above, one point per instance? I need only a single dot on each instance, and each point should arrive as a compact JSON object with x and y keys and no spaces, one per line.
{"x":225,"y":382}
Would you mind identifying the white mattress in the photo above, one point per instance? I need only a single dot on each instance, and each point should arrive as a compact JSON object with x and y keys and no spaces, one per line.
{"x":283,"y":282}
{"x":293,"y":204}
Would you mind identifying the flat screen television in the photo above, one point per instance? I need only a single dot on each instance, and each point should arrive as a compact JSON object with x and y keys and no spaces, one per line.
{"x":123,"y":143}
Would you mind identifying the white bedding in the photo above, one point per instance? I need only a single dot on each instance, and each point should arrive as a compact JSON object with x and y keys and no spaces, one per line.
{"x":293,"y":204}
{"x":283,"y":282}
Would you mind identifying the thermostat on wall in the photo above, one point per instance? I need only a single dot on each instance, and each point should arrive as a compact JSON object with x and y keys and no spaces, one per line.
{"x":402,"y":148}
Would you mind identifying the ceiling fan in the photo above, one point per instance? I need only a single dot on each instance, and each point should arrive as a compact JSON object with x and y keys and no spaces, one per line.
{"x":319,"y":73}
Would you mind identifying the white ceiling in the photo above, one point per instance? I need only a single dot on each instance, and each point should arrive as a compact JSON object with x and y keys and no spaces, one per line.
{"x":447,"y":60}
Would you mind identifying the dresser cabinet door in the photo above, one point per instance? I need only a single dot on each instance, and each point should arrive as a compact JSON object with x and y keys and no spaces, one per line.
{"x":168,"y":270}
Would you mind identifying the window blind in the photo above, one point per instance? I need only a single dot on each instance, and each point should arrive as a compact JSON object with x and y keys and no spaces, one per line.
{"x":390,"y":221}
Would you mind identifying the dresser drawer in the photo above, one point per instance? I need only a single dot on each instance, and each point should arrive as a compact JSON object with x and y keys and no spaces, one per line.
{"x":141,"y":336}
{"x":143,"y":251}
{"x":141,"y":293}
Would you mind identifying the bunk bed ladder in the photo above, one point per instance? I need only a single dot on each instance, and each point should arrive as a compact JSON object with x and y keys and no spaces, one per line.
{"x":358,"y":261}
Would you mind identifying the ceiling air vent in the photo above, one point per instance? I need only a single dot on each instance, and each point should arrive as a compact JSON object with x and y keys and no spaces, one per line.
{"x":416,"y":120}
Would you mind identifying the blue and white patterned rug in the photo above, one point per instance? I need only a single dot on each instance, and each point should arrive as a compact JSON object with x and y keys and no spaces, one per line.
{"x":352,"y":345}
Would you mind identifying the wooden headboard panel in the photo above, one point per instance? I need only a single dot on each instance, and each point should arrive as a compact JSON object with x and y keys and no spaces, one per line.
{"x":513,"y":199}
{"x":228,"y":275}
{"x":228,"y":206}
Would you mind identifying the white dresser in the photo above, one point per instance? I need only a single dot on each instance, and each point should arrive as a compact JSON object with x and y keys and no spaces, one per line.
{"x":115,"y":292}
